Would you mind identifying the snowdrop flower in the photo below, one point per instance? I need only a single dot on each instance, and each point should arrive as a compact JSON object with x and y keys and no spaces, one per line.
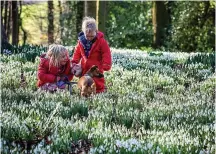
{"x":7,"y":52}
{"x":49,"y":150}
{"x":35,"y":150}
{"x":202,"y":152}
{"x":125,"y":145}
{"x":158,"y":150}
{"x":133,"y":141}
{"x":43,"y":152}
{"x":118,"y":143}
{"x":13,"y":144}
{"x":102,"y":147}
{"x":129,"y":148}
{"x":92,"y":151}
{"x":149,"y":145}
{"x":134,"y":150}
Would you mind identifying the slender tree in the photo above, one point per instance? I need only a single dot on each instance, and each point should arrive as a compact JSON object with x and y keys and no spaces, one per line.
{"x":79,"y":15}
{"x":6,"y":14}
{"x":69,"y":36}
{"x":2,"y":7}
{"x":61,"y":23}
{"x":4,"y":40}
{"x":50,"y":22}
{"x":160,"y":21}
{"x":8,"y":25}
{"x":208,"y":12}
{"x":3,"y":34}
{"x":15,"y":27}
{"x":170,"y":5}
{"x":90,"y":8}
{"x":102,"y":16}
{"x":21,"y":24}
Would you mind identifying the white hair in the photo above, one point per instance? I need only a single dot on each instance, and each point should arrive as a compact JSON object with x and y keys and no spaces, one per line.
{"x":89,"y":25}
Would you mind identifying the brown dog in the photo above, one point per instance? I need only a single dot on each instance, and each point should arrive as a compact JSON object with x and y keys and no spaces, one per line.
{"x":86,"y":83}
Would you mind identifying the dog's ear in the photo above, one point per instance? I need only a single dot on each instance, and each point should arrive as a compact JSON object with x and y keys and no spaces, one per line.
{"x":94,"y":67}
{"x":100,"y":75}
{"x":95,"y":72}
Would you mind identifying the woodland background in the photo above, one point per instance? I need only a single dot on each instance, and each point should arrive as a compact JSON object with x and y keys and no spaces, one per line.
{"x":187,"y":26}
{"x":159,"y":100}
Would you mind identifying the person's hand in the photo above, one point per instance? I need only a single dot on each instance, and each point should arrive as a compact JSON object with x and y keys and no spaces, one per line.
{"x":58,"y":78}
{"x":76,"y":69}
{"x":61,"y":78}
{"x":64,"y":78}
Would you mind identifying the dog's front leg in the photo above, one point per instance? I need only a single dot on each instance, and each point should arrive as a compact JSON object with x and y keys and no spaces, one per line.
{"x":84,"y":91}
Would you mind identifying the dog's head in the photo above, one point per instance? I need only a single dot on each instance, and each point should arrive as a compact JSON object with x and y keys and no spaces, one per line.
{"x":94,"y":71}
{"x":85,"y":94}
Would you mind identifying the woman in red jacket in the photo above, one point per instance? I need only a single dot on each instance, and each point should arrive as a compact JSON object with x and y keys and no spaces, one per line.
{"x":92,"y":49}
{"x":54,"y":68}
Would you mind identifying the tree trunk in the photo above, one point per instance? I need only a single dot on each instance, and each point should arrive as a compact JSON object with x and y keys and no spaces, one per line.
{"x":50,"y":22}
{"x":169,"y":13}
{"x":21,"y":25}
{"x":3,"y":34}
{"x":2,"y":7}
{"x":90,"y":9}
{"x":5,"y":15}
{"x":160,"y":21}
{"x":15,"y":27}
{"x":60,"y":19}
{"x":8,"y":26}
{"x":79,"y":15}
{"x":102,"y":16}
{"x":205,"y":13}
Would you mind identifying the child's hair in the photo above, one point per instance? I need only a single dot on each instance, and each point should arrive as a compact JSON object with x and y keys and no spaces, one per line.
{"x":89,"y":24}
{"x":54,"y":52}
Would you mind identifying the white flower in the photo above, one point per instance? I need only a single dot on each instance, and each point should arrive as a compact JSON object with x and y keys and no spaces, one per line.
{"x":13,"y":144}
{"x":92,"y":151}
{"x":201,"y":152}
{"x":118,"y":143}
{"x":7,"y":52}
{"x":134,"y":150}
{"x":110,"y":150}
{"x":129,"y":148}
{"x":101,"y":147}
{"x":158,"y":149}
{"x":149,"y":146}
{"x":43,"y":152}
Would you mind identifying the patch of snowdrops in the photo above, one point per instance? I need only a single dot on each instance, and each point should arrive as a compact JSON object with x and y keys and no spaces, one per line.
{"x":156,"y":103}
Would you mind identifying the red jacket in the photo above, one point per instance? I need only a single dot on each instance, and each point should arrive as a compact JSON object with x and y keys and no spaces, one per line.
{"x":48,"y":75}
{"x":99,"y":55}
